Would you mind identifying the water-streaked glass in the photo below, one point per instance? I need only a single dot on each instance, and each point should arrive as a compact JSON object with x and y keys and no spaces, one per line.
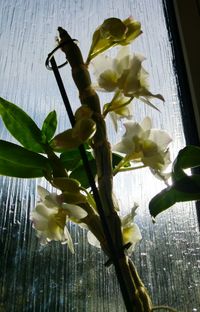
{"x":49,"y":278}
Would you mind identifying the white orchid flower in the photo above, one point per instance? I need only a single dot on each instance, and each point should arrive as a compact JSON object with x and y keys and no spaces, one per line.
{"x":130,"y":232}
{"x":125,"y":76}
{"x":50,"y":217}
{"x":141,"y":143}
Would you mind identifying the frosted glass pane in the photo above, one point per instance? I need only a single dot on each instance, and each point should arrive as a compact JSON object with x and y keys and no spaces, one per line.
{"x":36,"y":278}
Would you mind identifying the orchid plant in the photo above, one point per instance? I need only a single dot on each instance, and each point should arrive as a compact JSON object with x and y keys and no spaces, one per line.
{"x":58,"y":159}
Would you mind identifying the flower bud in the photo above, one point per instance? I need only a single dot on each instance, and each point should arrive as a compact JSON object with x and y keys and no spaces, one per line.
{"x":113,"y":31}
{"x":83,"y":112}
{"x":66,"y":184}
{"x":84,"y":129}
{"x":72,"y":198}
{"x":133,"y":30}
{"x":113,"y":28}
{"x":65,"y":141}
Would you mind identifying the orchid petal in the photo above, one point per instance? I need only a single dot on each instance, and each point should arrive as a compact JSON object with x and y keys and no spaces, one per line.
{"x":42,"y":192}
{"x":74,"y":211}
{"x":146,"y":124}
{"x":160,"y":137}
{"x":126,"y":75}
{"x":93,"y":240}
{"x":132,"y":234}
{"x":68,"y":240}
{"x":44,"y":211}
{"x":149,"y":146}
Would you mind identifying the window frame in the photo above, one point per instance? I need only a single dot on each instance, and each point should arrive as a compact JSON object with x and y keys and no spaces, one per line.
{"x":188,"y":21}
{"x":183,"y":22}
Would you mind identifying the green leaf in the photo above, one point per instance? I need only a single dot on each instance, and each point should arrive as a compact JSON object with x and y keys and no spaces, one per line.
{"x":49,"y":126}
{"x":21,"y":126}
{"x":188,"y":157}
{"x":116,"y":158}
{"x":72,"y":158}
{"x":79,"y":173}
{"x":186,"y":189}
{"x":16,"y":161}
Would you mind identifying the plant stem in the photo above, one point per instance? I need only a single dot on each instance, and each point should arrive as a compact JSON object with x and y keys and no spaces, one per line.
{"x":135,"y":297}
{"x":111,"y":108}
{"x":120,"y":164}
{"x":128,"y":169}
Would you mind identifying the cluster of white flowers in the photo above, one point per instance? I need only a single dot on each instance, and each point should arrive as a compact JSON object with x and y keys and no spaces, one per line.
{"x":125,"y":76}
{"x":50,"y":217}
{"x":141,"y":143}
{"x":127,"y":79}
{"x":130,"y":232}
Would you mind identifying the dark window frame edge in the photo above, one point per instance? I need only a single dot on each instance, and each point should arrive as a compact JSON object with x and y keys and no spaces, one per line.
{"x":187,"y":88}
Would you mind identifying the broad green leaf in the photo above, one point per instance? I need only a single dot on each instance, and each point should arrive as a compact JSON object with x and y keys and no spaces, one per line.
{"x":72,"y":158}
{"x":79,"y":173}
{"x":185,"y":189}
{"x":21,"y":126}
{"x":188,"y":157}
{"x":16,"y":161}
{"x":49,"y":126}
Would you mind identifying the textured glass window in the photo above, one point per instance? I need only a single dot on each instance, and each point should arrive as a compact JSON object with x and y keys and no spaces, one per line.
{"x":38,"y":278}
